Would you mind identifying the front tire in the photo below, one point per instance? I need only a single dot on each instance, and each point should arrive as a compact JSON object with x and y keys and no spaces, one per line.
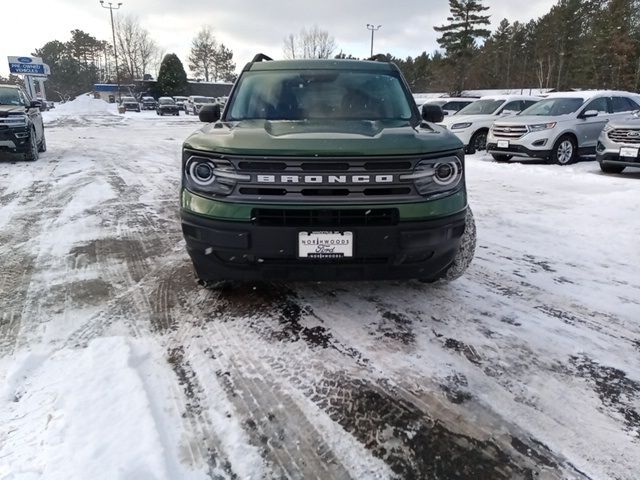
{"x":478,"y":142}
{"x":32,"y":154}
{"x":565,"y":151}
{"x":611,"y":168}
{"x":43,"y":144}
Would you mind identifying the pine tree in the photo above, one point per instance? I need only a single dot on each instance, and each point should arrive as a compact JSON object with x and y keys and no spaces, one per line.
{"x":172,"y":79}
{"x":459,"y":36}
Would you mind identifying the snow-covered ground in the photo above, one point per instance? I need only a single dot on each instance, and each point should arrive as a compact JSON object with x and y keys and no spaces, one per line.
{"x":116,"y":365}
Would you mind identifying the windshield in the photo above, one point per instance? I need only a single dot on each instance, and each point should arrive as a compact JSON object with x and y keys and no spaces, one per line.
{"x":128,"y":99}
{"x":166,"y":101}
{"x":9,"y":96}
{"x":201,"y":100}
{"x":320,"y":94}
{"x":552,"y":107}
{"x":482,"y":107}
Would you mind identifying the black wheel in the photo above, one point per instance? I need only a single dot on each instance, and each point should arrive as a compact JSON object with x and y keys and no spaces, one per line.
{"x":463,"y":256}
{"x":565,"y":151}
{"x":478,"y":142}
{"x":611,"y":168}
{"x":43,"y":144}
{"x":501,"y":158}
{"x":32,"y":153}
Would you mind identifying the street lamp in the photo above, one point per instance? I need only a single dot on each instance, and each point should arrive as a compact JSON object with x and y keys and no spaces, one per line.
{"x":113,"y":32}
{"x":373,"y":28}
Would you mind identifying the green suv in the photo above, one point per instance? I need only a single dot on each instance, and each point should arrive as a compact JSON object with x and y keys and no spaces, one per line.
{"x":324,"y":170}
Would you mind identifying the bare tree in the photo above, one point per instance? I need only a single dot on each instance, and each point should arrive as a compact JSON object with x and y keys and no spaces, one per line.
{"x":311,"y":43}
{"x":135,"y":46}
{"x":208,"y":59}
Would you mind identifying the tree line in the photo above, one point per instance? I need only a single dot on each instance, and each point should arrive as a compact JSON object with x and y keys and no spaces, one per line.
{"x":83,"y":60}
{"x":578,"y":44}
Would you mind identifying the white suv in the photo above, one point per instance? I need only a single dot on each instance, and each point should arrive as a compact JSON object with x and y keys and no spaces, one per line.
{"x":560,"y":127}
{"x":472,"y":123}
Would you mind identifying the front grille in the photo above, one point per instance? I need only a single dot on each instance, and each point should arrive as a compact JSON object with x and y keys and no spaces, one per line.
{"x":625,"y":135}
{"x":509,"y":132}
{"x":276,"y":217}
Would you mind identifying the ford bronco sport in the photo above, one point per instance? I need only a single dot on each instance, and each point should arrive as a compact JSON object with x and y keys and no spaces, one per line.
{"x":324,"y":170}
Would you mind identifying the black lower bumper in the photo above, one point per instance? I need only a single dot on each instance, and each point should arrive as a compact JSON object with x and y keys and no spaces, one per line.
{"x":14,"y":140}
{"x":517,"y":150}
{"x":223,"y":250}
{"x":616,"y":159}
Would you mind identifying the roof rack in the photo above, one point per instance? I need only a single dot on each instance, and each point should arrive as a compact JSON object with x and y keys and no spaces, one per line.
{"x":261,"y":57}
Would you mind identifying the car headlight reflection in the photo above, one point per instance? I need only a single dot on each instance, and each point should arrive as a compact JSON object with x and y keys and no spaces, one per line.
{"x":541,"y":126}
{"x":460,"y":126}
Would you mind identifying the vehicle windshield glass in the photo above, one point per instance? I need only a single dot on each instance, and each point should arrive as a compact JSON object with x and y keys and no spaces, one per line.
{"x":482,"y":107}
{"x":320,"y":94}
{"x":128,"y":99}
{"x":554,"y":106}
{"x":9,"y":96}
{"x":166,"y":101}
{"x":201,"y":100}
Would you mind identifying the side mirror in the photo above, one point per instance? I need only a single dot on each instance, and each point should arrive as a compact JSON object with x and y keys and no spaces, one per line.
{"x":432,"y":113}
{"x":209,"y":113}
{"x":589,"y":114}
{"x":35,"y":104}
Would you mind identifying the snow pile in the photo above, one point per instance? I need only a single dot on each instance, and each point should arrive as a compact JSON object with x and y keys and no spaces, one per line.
{"x":81,"y":105}
{"x":97,"y":413}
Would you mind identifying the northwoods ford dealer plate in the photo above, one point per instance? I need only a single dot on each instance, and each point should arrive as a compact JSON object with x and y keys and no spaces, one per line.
{"x":629,"y":152}
{"x":325,"y":244}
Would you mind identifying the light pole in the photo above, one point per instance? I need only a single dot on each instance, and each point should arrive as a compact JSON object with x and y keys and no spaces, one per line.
{"x":373,"y":28}
{"x":113,"y":32}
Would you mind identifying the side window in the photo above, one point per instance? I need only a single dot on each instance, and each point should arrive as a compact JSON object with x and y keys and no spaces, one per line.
{"x":623,"y":104}
{"x":24,"y":99}
{"x":513,"y":106}
{"x":599,"y":104}
{"x":453,"y":106}
{"x":528,"y":103}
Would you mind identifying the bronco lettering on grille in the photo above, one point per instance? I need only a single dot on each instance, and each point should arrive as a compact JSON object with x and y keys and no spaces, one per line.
{"x":325,"y":178}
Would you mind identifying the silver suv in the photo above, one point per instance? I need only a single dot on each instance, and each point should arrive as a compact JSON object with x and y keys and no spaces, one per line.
{"x":561,"y":127}
{"x":619,"y":144}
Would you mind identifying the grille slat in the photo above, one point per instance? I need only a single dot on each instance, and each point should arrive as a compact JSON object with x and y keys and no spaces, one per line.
{"x":625,"y":135}
{"x":325,"y":218}
{"x":509,"y":132}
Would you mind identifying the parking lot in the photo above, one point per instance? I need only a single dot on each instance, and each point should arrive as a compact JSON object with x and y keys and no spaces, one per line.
{"x":527,"y":367}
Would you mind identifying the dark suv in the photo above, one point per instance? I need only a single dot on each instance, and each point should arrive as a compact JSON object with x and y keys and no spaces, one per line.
{"x":321,"y":170}
{"x":21,"y":127}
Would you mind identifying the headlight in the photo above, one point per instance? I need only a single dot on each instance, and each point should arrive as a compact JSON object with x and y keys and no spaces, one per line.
{"x":541,"y":126}
{"x":211,"y":175}
{"x":16,"y":120}
{"x":460,"y":126}
{"x":438,"y":176}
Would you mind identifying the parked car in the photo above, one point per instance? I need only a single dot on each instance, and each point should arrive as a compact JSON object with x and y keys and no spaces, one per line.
{"x":449,"y":105}
{"x":472,"y":123}
{"x":167,"y":106}
{"x":180,"y":101}
{"x":149,"y":103}
{"x":21,"y":126}
{"x":561,"y":127}
{"x":619,"y":144}
{"x":130,"y":104}
{"x":195,"y":103}
{"x":321,"y":170}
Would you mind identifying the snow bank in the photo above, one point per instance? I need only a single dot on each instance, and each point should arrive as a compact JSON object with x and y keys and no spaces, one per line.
{"x":81,"y":105}
{"x":88,"y":414}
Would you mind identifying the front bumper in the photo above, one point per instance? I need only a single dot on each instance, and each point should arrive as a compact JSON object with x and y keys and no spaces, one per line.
{"x":517,"y":151}
{"x":533,"y":144}
{"x":223,"y":250}
{"x":15,"y":140}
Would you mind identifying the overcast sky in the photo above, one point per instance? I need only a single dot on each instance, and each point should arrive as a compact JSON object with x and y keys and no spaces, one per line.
{"x":247,"y":26}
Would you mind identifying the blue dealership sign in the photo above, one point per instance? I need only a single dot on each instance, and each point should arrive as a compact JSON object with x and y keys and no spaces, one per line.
{"x":25,"y":59}
{"x":28,"y":66}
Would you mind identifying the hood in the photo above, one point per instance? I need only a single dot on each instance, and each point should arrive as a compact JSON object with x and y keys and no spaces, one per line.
{"x":306,"y":138}
{"x":627,"y":122}
{"x":11,"y":109}
{"x":452,"y":119}
{"x":531,"y":119}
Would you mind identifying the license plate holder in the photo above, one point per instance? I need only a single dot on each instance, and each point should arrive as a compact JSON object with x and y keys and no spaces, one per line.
{"x":325,"y":245}
{"x":503,"y":143}
{"x":630,"y":152}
